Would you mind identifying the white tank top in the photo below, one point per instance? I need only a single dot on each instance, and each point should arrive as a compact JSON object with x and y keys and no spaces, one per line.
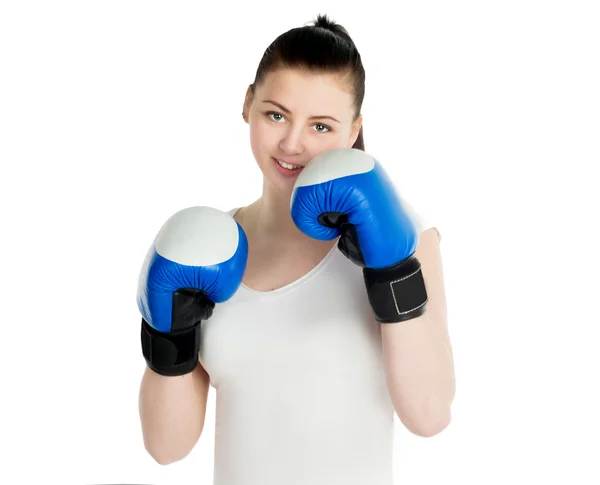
{"x":301,"y":393}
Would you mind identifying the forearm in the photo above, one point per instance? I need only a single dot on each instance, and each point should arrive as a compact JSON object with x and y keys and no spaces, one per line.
{"x":420,"y":372}
{"x":172,"y":411}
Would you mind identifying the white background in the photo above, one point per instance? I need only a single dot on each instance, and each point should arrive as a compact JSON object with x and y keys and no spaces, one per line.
{"x":116,"y":114}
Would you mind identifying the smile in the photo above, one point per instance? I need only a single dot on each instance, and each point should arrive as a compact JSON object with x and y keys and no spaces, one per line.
{"x":289,"y":166}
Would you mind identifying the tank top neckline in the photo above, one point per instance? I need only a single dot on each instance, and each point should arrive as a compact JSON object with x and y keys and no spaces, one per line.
{"x":294,"y":284}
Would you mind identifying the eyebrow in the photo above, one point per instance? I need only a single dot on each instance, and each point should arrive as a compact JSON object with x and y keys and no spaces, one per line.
{"x":285,"y":110}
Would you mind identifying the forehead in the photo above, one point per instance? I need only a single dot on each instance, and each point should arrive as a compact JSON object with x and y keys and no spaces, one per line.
{"x":307,"y":92}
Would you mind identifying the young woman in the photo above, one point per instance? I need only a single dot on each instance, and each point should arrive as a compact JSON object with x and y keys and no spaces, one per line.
{"x":284,"y":323}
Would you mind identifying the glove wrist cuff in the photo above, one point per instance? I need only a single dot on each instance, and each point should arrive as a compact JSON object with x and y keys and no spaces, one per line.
{"x":396,"y":293}
{"x":171,"y":354}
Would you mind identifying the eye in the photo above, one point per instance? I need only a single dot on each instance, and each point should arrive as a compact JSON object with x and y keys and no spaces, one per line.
{"x":278,"y":117}
{"x":323,"y":126}
{"x":270,"y":114}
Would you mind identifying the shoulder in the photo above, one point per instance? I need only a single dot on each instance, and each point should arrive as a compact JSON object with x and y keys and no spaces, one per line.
{"x":429,"y":242}
{"x":424,"y":223}
{"x":428,"y":246}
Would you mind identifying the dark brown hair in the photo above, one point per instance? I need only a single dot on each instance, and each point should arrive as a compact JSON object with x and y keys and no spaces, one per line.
{"x":323,"y":47}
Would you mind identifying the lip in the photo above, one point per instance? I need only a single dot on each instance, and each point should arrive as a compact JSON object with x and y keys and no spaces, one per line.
{"x":284,"y":171}
{"x":288,"y":162}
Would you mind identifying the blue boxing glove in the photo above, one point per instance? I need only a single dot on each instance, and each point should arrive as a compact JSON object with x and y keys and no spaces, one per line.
{"x":197,"y":259}
{"x":346,"y":193}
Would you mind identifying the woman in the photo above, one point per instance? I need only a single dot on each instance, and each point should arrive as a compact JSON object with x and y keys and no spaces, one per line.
{"x":307,"y":380}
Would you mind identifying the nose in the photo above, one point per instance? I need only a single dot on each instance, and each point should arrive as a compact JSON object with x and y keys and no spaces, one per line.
{"x":292,"y":142}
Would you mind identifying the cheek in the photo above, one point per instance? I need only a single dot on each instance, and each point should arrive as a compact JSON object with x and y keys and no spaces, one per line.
{"x":337,"y":140}
{"x":260,"y":136}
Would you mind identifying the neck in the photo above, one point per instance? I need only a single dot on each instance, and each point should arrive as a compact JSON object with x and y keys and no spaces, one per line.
{"x":268,"y":222}
{"x":272,"y":216}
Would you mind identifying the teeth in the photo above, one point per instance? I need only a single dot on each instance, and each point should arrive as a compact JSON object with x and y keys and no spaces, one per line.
{"x":287,"y":165}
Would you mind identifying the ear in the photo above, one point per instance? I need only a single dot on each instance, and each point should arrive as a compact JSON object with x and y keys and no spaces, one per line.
{"x":355,"y":131}
{"x":247,"y":103}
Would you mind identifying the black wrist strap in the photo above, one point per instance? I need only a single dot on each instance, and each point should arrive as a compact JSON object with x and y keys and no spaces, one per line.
{"x":171,"y":354}
{"x":396,"y":293}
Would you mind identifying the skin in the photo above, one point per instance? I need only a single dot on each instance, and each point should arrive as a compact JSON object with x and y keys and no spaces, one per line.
{"x":417,"y":354}
{"x":296,"y":138}
{"x":172,"y":409}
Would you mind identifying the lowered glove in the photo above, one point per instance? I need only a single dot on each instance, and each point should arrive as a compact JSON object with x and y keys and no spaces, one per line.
{"x":197,"y":259}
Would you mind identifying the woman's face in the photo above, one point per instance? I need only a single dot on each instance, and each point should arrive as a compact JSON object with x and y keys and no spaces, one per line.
{"x":295,"y":115}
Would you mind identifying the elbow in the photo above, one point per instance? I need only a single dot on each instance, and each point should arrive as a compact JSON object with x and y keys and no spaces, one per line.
{"x":168,"y":448}
{"x":165,"y":455}
{"x":429,"y":429}
{"x":164,"y":458}
{"x":426,"y":426}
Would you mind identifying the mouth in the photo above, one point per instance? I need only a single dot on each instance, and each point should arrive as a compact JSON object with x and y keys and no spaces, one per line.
{"x":286,"y":168}
{"x":289,"y":166}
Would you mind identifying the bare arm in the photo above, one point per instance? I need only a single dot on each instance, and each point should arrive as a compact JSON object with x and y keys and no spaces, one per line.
{"x":418,"y":353}
{"x":172,"y":413}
